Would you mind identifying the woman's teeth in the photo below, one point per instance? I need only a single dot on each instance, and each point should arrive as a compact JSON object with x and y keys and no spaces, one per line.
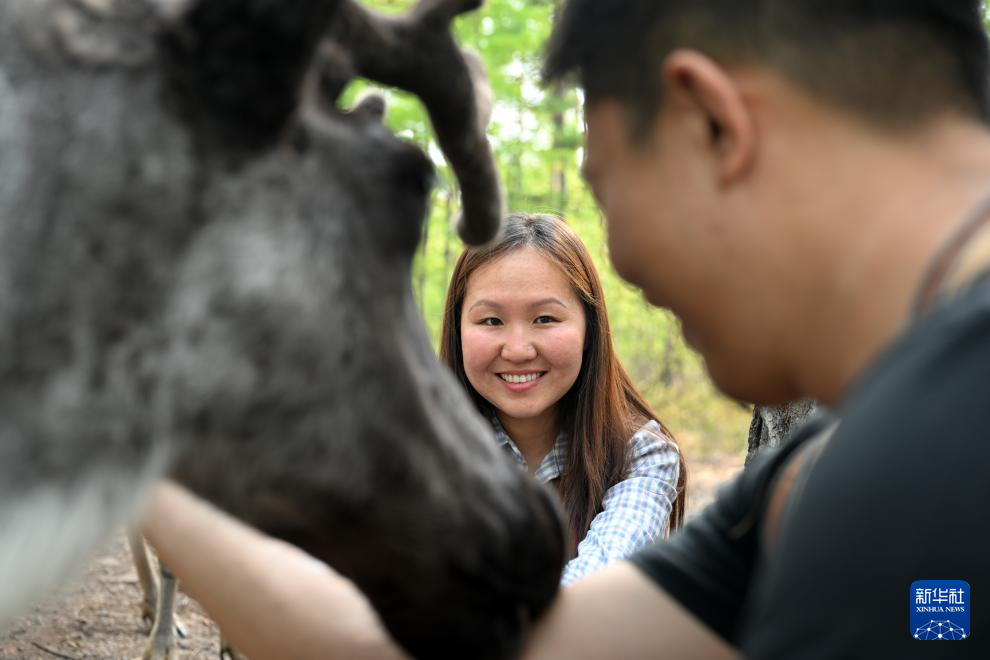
{"x":526,"y":378}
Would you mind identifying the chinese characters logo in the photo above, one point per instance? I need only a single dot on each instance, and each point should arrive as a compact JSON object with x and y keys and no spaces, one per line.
{"x":940,"y":610}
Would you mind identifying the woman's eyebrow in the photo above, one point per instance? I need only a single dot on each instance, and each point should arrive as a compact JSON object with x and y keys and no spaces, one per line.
{"x":548,"y":301}
{"x":484,"y":302}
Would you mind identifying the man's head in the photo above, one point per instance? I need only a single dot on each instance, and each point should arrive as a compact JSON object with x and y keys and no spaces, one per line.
{"x":888,"y":61}
{"x":723,"y":133}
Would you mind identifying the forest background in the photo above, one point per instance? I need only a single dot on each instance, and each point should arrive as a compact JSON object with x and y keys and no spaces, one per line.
{"x":536,"y":134}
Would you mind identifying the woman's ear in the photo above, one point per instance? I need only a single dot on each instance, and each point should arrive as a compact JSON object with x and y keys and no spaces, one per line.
{"x":698,"y":85}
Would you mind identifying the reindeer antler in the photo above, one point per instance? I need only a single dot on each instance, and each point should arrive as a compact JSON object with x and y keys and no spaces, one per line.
{"x":235,"y":67}
{"x":417,"y":53}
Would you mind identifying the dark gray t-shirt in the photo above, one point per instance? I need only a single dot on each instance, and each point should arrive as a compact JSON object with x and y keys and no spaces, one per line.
{"x":900,"y":493}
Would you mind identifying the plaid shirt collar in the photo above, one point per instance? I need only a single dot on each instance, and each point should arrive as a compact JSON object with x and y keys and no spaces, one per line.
{"x":552,"y":465}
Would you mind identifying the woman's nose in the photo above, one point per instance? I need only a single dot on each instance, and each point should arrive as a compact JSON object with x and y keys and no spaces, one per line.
{"x":518,"y":348}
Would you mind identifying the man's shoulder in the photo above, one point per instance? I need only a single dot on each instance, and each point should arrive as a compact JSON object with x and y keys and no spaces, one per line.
{"x":932,"y":382}
{"x":895,"y":496}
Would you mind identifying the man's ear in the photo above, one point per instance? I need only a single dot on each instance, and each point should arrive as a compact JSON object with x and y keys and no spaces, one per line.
{"x":705,"y":88}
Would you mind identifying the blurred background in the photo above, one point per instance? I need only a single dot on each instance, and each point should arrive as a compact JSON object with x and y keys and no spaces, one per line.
{"x":536,"y":134}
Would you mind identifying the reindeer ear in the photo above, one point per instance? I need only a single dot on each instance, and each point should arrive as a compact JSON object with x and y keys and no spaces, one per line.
{"x":170,"y":10}
{"x":370,"y":106}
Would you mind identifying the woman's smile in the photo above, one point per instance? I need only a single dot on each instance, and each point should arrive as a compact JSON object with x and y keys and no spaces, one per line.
{"x":521,"y":381}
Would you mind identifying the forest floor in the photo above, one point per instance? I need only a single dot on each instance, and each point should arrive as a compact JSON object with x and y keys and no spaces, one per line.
{"x":98,"y":617}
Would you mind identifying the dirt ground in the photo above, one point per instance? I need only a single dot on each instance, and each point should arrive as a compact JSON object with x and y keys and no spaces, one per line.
{"x":705,"y":477}
{"x":98,"y":617}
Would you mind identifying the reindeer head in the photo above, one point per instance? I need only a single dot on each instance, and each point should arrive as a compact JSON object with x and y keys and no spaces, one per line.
{"x":298,"y":380}
{"x":205,"y":257}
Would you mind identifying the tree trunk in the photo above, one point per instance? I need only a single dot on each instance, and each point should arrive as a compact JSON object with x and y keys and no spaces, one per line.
{"x":558,"y":173}
{"x":772,"y":425}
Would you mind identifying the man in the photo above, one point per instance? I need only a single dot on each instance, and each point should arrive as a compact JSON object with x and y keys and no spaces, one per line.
{"x":805,"y":184}
{"x":794,"y":179}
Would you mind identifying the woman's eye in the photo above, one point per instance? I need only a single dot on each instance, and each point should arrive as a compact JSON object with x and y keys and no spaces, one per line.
{"x":542,"y":320}
{"x":491,"y":321}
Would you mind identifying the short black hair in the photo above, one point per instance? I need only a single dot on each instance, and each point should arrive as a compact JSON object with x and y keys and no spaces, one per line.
{"x":895,"y":63}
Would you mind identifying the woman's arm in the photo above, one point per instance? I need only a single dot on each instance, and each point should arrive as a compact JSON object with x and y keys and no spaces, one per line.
{"x":635,"y":511}
{"x":271,"y":600}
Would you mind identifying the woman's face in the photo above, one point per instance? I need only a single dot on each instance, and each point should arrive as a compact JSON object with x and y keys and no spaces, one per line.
{"x":522,"y":334}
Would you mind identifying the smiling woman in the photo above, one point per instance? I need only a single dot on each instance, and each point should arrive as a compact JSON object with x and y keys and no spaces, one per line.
{"x":523,"y":335}
{"x":526,"y":332}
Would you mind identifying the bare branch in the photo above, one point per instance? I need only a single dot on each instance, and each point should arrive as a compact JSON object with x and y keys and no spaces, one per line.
{"x":51,"y":652}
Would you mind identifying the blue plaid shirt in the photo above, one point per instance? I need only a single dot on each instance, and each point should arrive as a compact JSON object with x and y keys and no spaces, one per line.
{"x":635,"y":511}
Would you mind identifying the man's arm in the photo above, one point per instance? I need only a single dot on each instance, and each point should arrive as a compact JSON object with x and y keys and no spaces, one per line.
{"x":619,"y":614}
{"x":271,"y":600}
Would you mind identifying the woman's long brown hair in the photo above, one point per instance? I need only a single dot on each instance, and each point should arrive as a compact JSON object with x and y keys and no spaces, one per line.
{"x":602,"y":409}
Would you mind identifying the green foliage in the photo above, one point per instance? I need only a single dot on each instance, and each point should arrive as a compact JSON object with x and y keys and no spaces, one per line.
{"x":536,"y":134}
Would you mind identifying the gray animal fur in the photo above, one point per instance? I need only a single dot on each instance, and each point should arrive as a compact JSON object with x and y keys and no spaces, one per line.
{"x":227,"y":298}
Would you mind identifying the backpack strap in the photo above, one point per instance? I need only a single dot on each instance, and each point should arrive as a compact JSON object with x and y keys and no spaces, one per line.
{"x":789,"y":482}
{"x":970,"y":268}
{"x":963,"y":258}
